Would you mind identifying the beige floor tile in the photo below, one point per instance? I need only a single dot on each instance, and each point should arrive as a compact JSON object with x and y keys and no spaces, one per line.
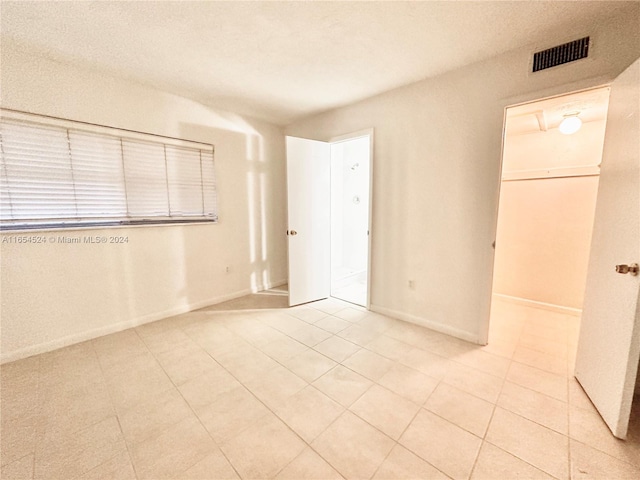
{"x":79,"y":453}
{"x":533,"y":443}
{"x":276,"y":386}
{"x":205,"y":389}
{"x":19,"y":385}
{"x":337,"y":348}
{"x":494,"y":463}
{"x":171,"y":453}
{"x":503,"y":347}
{"x":553,"y":332}
{"x":213,"y":466}
{"x":72,"y":368}
{"x":20,"y":374}
{"x":589,"y":463}
{"x":444,"y":445}
{"x":408,"y":383}
{"x":283,"y":349}
{"x":260,"y":334}
{"x":401,"y":464}
{"x":138,"y":385}
{"x":485,"y":362}
{"x":117,"y":468}
{"x":21,"y":469}
{"x":409,"y":333}
{"x":388,"y":347}
{"x":358,"y":334}
{"x":473,"y":381}
{"x":18,"y":435}
{"x":536,"y":407}
{"x":309,"y":412}
{"x":167,"y":340}
{"x":430,"y":364}
{"x":308,"y":466}
{"x":216,"y":340}
{"x":329,"y":305}
{"x":332,"y":324}
{"x":353,"y":447}
{"x":309,"y":315}
{"x":117,"y":348}
{"x":446,"y":345}
{"x":368,"y":364}
{"x":388,"y":412}
{"x":378,"y":322}
{"x":231,"y":413}
{"x":65,"y":412}
{"x":284,"y":323}
{"x":310,"y":365}
{"x":544,"y":345}
{"x":588,"y":427}
{"x":247,"y":363}
{"x":578,"y":397}
{"x":461,"y":408}
{"x":342,"y":385}
{"x":550,"y":384}
{"x":186,"y":364}
{"x":175,"y":323}
{"x":310,"y":335}
{"x":150,"y":418}
{"x":542,"y":361}
{"x":262,"y":450}
{"x":352,"y":315}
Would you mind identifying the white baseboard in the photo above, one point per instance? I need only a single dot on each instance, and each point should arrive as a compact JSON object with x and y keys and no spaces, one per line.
{"x":423,"y":322}
{"x":120,"y":326}
{"x":542,"y":305}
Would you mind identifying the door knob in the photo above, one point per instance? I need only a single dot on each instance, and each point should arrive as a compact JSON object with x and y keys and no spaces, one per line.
{"x":291,"y":232}
{"x":630,"y":269}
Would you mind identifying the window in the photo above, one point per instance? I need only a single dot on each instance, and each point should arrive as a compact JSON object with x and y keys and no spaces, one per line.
{"x":58,"y":173}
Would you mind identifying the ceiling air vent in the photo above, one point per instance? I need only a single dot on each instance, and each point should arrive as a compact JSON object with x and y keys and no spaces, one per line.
{"x":565,"y":53}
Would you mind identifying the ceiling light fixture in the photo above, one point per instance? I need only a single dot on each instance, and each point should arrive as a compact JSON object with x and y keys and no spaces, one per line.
{"x":571,"y":123}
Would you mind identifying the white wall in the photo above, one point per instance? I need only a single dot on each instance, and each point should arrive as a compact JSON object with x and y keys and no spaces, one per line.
{"x":55,"y":294}
{"x":436,"y":173}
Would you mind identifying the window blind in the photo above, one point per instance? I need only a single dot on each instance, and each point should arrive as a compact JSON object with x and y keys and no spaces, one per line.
{"x":61,"y":174}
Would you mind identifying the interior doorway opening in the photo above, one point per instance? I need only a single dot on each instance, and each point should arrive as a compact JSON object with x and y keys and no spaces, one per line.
{"x":350,"y":215}
{"x":548,"y":195}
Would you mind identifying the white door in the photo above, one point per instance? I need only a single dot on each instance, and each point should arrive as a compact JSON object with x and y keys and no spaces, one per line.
{"x":308,"y":190}
{"x":609,"y":344}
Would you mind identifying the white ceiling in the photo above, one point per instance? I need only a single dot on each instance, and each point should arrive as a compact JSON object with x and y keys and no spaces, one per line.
{"x":285,"y":60}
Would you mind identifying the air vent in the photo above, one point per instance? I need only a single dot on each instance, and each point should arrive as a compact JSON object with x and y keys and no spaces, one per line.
{"x":568,"y":52}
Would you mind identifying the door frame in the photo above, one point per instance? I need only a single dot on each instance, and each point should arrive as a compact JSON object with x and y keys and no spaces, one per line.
{"x":351,"y":136}
{"x":485,"y":324}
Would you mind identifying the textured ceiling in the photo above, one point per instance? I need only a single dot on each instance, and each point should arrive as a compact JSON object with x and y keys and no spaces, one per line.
{"x":281,"y":61}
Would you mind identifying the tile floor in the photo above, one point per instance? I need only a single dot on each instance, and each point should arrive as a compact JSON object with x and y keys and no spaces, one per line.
{"x":248,"y":389}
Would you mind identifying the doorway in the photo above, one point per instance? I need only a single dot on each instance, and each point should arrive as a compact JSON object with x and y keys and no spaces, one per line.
{"x":350,"y":206}
{"x":549,"y":186}
{"x":329,"y":218}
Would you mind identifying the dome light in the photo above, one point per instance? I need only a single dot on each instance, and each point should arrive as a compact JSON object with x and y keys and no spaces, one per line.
{"x":570,"y":124}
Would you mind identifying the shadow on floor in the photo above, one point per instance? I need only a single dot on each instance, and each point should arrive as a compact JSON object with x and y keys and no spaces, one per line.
{"x":273,"y":298}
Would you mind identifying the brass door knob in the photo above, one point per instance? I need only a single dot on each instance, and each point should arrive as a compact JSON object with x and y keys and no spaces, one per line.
{"x":630,"y":269}
{"x":293,"y":232}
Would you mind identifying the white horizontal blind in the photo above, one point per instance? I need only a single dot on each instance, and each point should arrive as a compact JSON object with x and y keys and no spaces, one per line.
{"x":146,"y":179}
{"x":54,"y":175}
{"x":208,"y":183}
{"x":185,"y":180}
{"x":37,"y":164}
{"x":98,"y":175}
